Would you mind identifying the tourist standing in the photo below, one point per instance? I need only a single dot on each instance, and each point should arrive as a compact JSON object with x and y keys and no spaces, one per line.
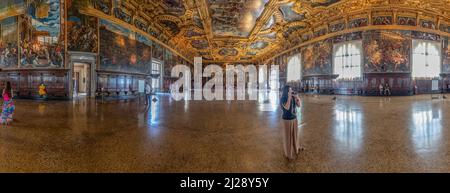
{"x":148,"y":92}
{"x":8,"y":105}
{"x":289,"y":103}
{"x":381,"y":88}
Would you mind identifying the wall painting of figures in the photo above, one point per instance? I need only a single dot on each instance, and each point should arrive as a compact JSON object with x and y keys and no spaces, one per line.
{"x":387,"y":51}
{"x":41,"y":35}
{"x":120,"y":50}
{"x":82,"y":29}
{"x":316,"y":58}
{"x":158,"y":52}
{"x":446,"y":56}
{"x":8,"y":43}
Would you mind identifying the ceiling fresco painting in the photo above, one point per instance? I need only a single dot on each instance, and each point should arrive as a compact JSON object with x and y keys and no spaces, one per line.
{"x":200,"y":44}
{"x":269,"y":23}
{"x":259,"y":45}
{"x":235,"y":17}
{"x":172,"y":26}
{"x":258,"y":30}
{"x":228,"y":52}
{"x":175,"y":6}
{"x":272,"y":35}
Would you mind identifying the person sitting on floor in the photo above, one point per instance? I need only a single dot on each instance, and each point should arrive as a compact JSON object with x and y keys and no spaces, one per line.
{"x":42,"y":90}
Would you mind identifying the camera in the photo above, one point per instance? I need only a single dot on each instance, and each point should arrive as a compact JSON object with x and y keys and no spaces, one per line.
{"x":294,"y":93}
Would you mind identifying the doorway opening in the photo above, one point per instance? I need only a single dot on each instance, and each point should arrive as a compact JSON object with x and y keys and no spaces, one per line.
{"x":81,"y":79}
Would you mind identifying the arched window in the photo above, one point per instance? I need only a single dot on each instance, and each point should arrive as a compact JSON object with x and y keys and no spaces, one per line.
{"x":347,"y":60}
{"x":274,"y":80}
{"x":294,"y":68}
{"x":426,"y":59}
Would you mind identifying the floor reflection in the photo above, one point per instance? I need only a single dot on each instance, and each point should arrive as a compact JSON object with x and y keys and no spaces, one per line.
{"x":153,"y":115}
{"x":268,"y":100}
{"x":348,"y":127}
{"x":427,"y":126}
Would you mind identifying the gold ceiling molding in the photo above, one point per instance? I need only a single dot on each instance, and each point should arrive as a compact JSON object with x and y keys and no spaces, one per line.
{"x":297,"y":23}
{"x":10,"y":14}
{"x":168,"y":18}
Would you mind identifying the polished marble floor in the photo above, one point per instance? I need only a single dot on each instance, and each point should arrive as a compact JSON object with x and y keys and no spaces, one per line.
{"x":349,"y":134}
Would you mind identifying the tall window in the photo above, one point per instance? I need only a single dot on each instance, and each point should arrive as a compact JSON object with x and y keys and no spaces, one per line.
{"x":426,"y":59}
{"x":156,"y":74}
{"x":347,"y":59}
{"x":274,"y":80}
{"x":294,"y":68}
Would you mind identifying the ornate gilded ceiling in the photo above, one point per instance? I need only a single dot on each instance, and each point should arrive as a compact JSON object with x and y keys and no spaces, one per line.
{"x":255,"y":30}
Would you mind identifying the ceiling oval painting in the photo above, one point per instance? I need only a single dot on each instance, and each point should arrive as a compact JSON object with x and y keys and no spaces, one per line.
{"x":235,"y":17}
{"x":228,"y":52}
{"x":259,"y":45}
{"x":272,"y":35}
{"x":252,"y":53}
{"x":291,"y":30}
{"x":172,"y":26}
{"x":192,"y":33}
{"x":198,"y":22}
{"x":289,"y":14}
{"x":175,"y":7}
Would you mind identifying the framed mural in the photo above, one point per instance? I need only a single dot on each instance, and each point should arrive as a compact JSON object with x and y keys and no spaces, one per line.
{"x":387,"y":51}
{"x":8,"y":43}
{"x":316,"y":58}
{"x":82,"y":29}
{"x":446,"y":56}
{"x":158,"y":52}
{"x":121,"y":51}
{"x":41,"y":35}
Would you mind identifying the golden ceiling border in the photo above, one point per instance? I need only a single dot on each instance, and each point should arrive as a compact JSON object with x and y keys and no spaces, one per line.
{"x":362,"y":29}
{"x":99,"y":14}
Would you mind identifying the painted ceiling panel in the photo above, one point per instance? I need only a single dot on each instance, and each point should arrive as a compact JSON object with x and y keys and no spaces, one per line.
{"x":234,"y":17}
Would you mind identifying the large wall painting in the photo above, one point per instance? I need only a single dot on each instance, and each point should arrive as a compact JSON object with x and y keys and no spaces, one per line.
{"x":446,"y":56}
{"x":387,"y":51}
{"x":316,"y":58}
{"x":8,"y":43}
{"x":158,"y":52}
{"x":120,"y":50}
{"x":42,"y":40}
{"x":82,"y":29}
